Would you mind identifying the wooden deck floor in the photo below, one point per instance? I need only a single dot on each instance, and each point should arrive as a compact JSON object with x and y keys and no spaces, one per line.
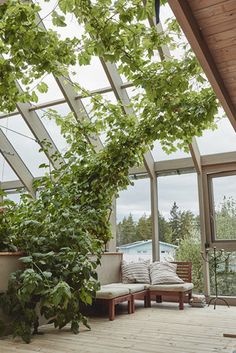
{"x":160,"y":329}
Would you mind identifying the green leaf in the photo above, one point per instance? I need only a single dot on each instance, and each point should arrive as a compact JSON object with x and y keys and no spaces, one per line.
{"x":26,"y":259}
{"x":58,"y":20}
{"x":34,"y":97}
{"x":42,"y":87}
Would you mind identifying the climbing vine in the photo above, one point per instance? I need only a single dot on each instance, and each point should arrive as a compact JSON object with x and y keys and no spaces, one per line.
{"x":69,"y":220}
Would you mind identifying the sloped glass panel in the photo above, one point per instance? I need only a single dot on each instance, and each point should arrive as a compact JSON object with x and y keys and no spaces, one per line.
{"x":24,"y":143}
{"x":53,"y":92}
{"x":52,"y":128}
{"x":160,"y":155}
{"x":6,"y":172}
{"x":13,"y":197}
{"x":70,"y":31}
{"x":90,"y":77}
{"x":109,"y":96}
{"x":218,"y":141}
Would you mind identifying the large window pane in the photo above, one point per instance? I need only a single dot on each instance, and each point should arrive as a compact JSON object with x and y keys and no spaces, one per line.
{"x":134,"y":222}
{"x":224,"y":207}
{"x":179,"y":221}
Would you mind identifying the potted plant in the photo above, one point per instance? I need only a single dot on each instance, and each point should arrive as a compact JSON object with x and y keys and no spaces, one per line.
{"x":9,"y":255}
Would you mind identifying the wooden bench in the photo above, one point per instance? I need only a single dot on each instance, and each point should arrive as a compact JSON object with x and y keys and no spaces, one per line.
{"x":112,"y":295}
{"x":179,"y":291}
{"x":116,"y":293}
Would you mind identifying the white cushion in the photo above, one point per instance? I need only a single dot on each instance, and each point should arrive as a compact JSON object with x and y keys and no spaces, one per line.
{"x":163,"y":273}
{"x":109,"y":292}
{"x":172,"y":287}
{"x":135,"y":272}
{"x":132,"y":287}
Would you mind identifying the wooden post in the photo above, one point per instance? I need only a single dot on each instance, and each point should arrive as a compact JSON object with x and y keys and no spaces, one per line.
{"x":111,"y":246}
{"x":203,"y":215}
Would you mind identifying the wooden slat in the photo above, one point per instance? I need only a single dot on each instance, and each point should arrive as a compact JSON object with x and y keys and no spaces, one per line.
{"x":217,"y":28}
{"x":225,"y":54}
{"x":203,"y":4}
{"x":226,"y":67}
{"x":210,"y":14}
{"x":222,"y":39}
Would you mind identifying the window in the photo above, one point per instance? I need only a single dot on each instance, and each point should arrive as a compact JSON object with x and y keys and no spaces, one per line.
{"x":222,"y":188}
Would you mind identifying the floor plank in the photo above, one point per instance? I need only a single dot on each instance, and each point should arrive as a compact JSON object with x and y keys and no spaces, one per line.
{"x":160,"y":329}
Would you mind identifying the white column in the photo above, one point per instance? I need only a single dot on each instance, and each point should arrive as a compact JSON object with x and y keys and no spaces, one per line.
{"x":154,"y":214}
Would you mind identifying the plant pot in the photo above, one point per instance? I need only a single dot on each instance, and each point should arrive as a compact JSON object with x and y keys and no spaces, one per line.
{"x":9,"y":262}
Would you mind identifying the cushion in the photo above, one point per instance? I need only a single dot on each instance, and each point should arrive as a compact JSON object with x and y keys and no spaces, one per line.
{"x":135,"y":272}
{"x":164,"y":273}
{"x":109,"y":292}
{"x":132,"y":287}
{"x":181,"y":287}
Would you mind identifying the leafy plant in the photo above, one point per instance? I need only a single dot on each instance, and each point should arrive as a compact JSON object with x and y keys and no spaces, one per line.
{"x":6,"y":241}
{"x":64,"y":230}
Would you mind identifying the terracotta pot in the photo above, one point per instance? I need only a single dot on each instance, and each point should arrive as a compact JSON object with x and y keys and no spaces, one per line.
{"x":9,"y":262}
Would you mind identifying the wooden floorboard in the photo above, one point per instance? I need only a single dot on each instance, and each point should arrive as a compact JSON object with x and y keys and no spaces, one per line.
{"x":160,"y":329}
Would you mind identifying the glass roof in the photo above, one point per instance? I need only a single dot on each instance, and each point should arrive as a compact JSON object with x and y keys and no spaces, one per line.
{"x":53,"y":92}
{"x":160,"y":155}
{"x":223,"y":139}
{"x":24,"y":143}
{"x":7,"y":173}
{"x":91,"y":77}
{"x":52,"y":127}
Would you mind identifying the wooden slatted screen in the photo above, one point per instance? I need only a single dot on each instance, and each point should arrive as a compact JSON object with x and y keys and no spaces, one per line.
{"x":184,"y":270}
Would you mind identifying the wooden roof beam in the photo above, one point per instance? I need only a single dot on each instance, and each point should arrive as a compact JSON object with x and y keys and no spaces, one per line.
{"x":193,"y":33}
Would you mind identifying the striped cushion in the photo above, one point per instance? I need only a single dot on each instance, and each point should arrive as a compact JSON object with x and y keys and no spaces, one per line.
{"x":135,"y":272}
{"x":164,"y":273}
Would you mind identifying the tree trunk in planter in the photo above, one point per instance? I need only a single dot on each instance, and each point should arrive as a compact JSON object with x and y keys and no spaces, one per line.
{"x":9,"y":262}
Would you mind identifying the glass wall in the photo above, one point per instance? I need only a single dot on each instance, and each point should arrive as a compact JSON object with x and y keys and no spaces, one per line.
{"x":223,"y":207}
{"x":225,"y":277}
{"x":179,"y":224}
{"x":134,"y":229}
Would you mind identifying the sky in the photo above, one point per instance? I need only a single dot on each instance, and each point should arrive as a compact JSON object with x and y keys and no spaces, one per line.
{"x":136,"y":200}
